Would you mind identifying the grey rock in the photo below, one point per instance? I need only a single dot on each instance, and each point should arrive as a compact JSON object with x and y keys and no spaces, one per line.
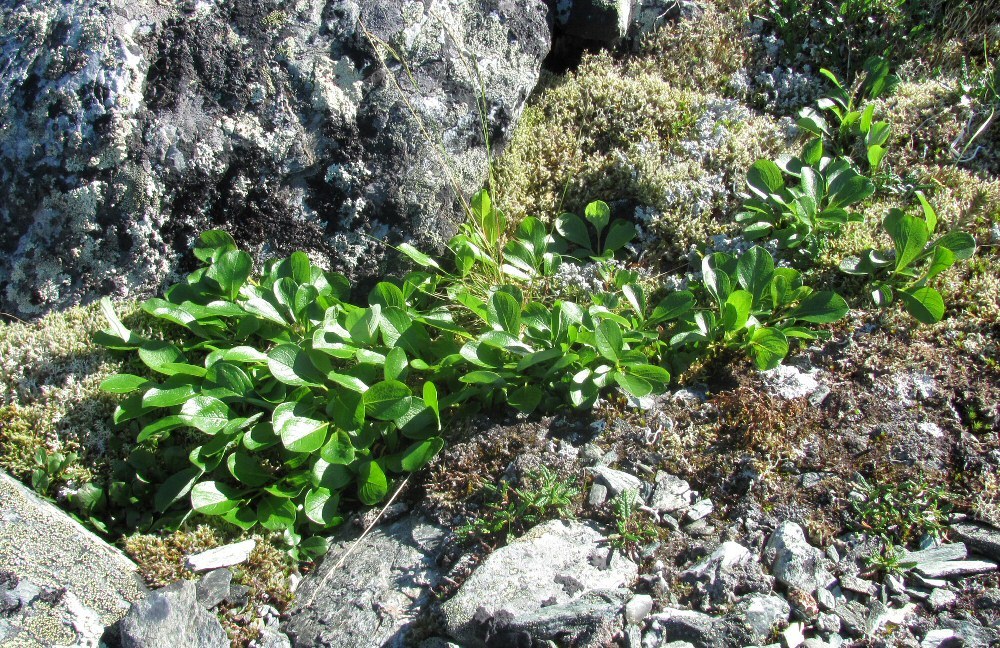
{"x":637,"y":608}
{"x":598,"y":495}
{"x":224,"y":556}
{"x":853,"y":617}
{"x":955,"y":568}
{"x":973,"y":634}
{"x":372,"y":598}
{"x":171,"y":616}
{"x":554,"y":563}
{"x":825,"y":599}
{"x":130,"y":126}
{"x":602,"y":20}
{"x":271,"y":637}
{"x":792,"y":636}
{"x":59,"y":583}
{"x":828,"y":623}
{"x":858,"y":585}
{"x":936,"y":554}
{"x":699,"y":629}
{"x":717,"y":575}
{"x":982,"y":538}
{"x":699,"y":510}
{"x":763,"y":613}
{"x":670,"y":493}
{"x":213,"y":588}
{"x":794,"y":562}
{"x":590,"y":621}
{"x":941,"y":638}
{"x":616,"y":481}
{"x":941,"y":599}
{"x":790,"y":382}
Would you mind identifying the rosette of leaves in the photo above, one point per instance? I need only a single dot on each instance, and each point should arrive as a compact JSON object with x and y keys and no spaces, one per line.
{"x":756,"y":308}
{"x":851,"y":121}
{"x":800,"y":201}
{"x":904,"y":273}
{"x":595,"y":236}
{"x":282,"y":397}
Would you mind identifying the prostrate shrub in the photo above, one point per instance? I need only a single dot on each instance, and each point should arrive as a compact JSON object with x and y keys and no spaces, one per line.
{"x":282,"y":397}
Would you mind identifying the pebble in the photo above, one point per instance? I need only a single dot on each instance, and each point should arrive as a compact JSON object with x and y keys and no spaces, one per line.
{"x":955,"y":568}
{"x":858,"y":585}
{"x":828,"y":623}
{"x":792,"y":636}
{"x":598,"y":495}
{"x":224,"y":556}
{"x":941,"y":599}
{"x":637,"y":608}
{"x":699,"y":510}
{"x":939,"y":638}
{"x":825,"y":599}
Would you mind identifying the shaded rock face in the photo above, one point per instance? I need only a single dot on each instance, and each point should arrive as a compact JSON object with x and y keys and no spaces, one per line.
{"x":126,"y":128}
{"x":171,"y":616}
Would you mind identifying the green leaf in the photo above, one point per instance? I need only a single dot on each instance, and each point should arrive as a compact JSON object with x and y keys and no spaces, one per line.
{"x":930,"y":216}
{"x":716,"y":280}
{"x":650,"y":373}
{"x":301,"y":267}
{"x":525,"y":399}
{"x":214,"y":497}
{"x":265,"y":309}
{"x":598,"y":214}
{"x":372,"y":484}
{"x":387,"y":400}
{"x":231,"y":270}
{"x":290,"y":364}
{"x":247,"y":470}
{"x":765,"y":178}
{"x":298,"y":431}
{"x":768,"y":347}
{"x":159,"y":356}
{"x":313,"y":548}
{"x":175,"y":487}
{"x":158,"y":427}
{"x":241,"y":517}
{"x":212,"y":241}
{"x":417,"y":256}
{"x":504,"y":313}
{"x":925,"y":304}
{"x":736,"y":311}
{"x":876,"y":154}
{"x":672,"y":306}
{"x":420,"y":453}
{"x":820,"y":308}
{"x":117,"y":328}
{"x":205,"y":413}
{"x":332,"y":476}
{"x":244,"y":354}
{"x":634,"y":385}
{"x":386,"y":294}
{"x":812,"y":151}
{"x":960,"y":243}
{"x":339,"y":449}
{"x":573,"y":229}
{"x":123,"y":383}
{"x":909,"y":236}
{"x":850,"y":191}
{"x":754,"y":271}
{"x":619,"y":235}
{"x":157,"y":397}
{"x":608,"y":340}
{"x":276,"y":513}
{"x":482,"y":378}
{"x":431,"y":401}
{"x":941,"y":260}
{"x":321,"y":506}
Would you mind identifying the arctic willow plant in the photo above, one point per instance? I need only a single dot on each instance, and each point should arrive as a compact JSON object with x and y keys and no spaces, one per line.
{"x":283,"y":398}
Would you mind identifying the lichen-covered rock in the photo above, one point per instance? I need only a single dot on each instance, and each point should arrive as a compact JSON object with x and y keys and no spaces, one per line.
{"x":59,"y":584}
{"x":128,"y":127}
{"x":794,"y":562}
{"x":370,"y":598}
{"x":555,"y":563}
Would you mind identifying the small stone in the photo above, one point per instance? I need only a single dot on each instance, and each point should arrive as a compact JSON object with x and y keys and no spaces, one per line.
{"x":213,"y":588}
{"x":171,"y":616}
{"x":669,"y":521}
{"x":956,"y":568}
{"x":833,"y":554}
{"x":858,"y":585}
{"x":616,"y":481}
{"x":828,"y":623}
{"x":598,"y":495}
{"x":929,"y":583}
{"x":941,"y":599}
{"x":238,"y":595}
{"x":936,"y":553}
{"x":637,"y":608}
{"x":794,"y":562}
{"x":941,"y":638}
{"x":792,"y":636}
{"x":895,"y":584}
{"x":763,"y":613}
{"x":824,"y":598}
{"x":700,"y":509}
{"x":670,"y":493}
{"x":224,"y":556}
